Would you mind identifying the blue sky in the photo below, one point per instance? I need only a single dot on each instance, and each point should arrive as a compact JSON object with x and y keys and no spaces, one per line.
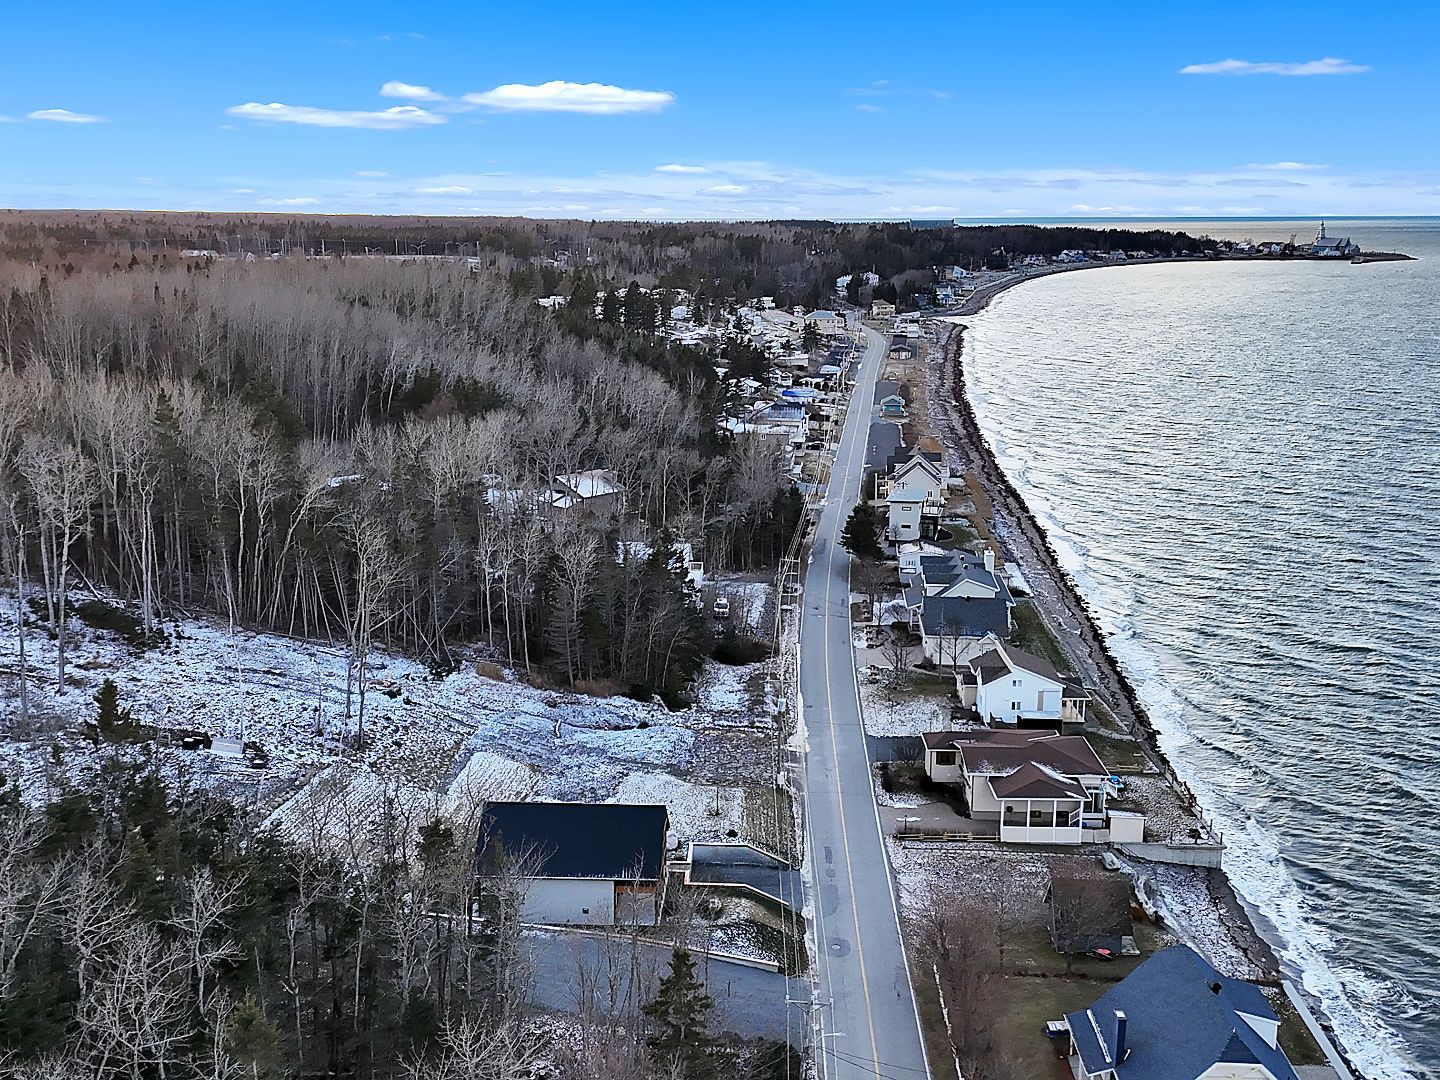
{"x":725,"y":110}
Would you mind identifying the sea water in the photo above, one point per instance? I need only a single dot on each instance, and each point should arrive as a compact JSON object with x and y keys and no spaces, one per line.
{"x":1240,"y":463}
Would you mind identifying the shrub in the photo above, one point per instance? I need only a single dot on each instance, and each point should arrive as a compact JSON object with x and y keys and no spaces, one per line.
{"x":738,"y":649}
{"x":128,"y":626}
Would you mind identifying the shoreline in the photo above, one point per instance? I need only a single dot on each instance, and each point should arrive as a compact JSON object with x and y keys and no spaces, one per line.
{"x":1058,"y":598}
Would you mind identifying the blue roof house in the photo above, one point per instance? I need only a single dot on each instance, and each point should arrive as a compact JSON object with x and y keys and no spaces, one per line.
{"x":1176,"y":1018}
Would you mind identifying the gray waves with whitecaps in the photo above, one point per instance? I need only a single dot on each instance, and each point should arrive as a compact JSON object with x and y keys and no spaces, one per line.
{"x":1241,"y":465}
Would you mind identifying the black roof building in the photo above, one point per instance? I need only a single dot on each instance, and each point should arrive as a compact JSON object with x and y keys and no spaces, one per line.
{"x":616,"y":841}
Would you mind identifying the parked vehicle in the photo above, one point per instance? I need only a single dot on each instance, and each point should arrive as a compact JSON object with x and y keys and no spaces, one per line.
{"x":721,"y":609}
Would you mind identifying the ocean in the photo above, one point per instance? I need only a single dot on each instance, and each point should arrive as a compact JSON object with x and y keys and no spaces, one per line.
{"x":1240,"y":465}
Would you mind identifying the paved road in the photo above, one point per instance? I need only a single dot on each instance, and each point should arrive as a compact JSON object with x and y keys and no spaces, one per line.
{"x":866,"y":1008}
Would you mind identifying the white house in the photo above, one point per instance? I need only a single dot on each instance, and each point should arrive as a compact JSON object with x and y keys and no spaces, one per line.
{"x":1039,"y":787}
{"x":1010,"y":687}
{"x":882,"y":309}
{"x":905,"y":506}
{"x":918,"y":472}
{"x":585,"y":864}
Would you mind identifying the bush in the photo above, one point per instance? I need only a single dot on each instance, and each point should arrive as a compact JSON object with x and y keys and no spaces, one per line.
{"x":130,"y":627}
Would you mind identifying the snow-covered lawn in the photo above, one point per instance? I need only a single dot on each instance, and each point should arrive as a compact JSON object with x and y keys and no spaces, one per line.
{"x":693,"y":807}
{"x":901,"y":710}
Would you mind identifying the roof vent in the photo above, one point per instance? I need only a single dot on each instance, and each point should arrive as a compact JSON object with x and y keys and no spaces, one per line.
{"x":1215,"y":988}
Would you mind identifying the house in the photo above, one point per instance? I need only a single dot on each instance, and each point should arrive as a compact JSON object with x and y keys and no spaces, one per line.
{"x":829,"y":323}
{"x":595,"y":491}
{"x":1039,"y":787}
{"x":909,"y":555}
{"x":955,"y":572}
{"x":586,"y":864}
{"x":1013,"y":688}
{"x":1089,"y":909}
{"x":919,"y":471}
{"x":1176,"y":1018}
{"x":892,"y":406}
{"x":1333,"y":247}
{"x":952,"y":627}
{"x":953,"y":273}
{"x":905,"y":509}
{"x":882,"y":309}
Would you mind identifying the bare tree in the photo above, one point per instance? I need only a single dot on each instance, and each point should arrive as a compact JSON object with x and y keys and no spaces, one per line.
{"x":63,"y":482}
{"x":377,"y":570}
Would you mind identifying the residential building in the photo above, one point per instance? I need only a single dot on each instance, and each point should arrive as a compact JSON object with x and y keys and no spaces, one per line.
{"x":588,"y":864}
{"x":1176,"y":1018}
{"x":596,"y":492}
{"x":882,"y":309}
{"x":919,"y":471}
{"x":905,"y":510}
{"x":829,"y":323}
{"x":1013,"y":688}
{"x":1039,"y":787}
{"x":892,"y":407}
{"x":952,"y":627}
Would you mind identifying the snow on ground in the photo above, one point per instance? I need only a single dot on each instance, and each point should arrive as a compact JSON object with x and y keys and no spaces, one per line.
{"x":463,"y":734}
{"x":899,"y":799}
{"x":890,"y":710}
{"x":1183,"y":897}
{"x":692,"y":807}
{"x":738,"y":695}
{"x":749,"y":603}
{"x":1018,"y":878}
{"x":1165,"y":818}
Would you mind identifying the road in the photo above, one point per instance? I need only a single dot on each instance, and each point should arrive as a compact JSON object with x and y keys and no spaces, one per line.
{"x":865,"y":1006}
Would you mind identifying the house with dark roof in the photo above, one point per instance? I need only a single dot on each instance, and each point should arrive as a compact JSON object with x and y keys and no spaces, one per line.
{"x":589,"y":864}
{"x":1037,"y":786}
{"x":1007,"y":686}
{"x":1176,"y":1018}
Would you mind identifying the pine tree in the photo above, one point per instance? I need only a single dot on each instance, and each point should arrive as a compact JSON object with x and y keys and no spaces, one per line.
{"x":253,"y":1040}
{"x":859,"y":537}
{"x":111,"y":720}
{"x":810,"y":337}
{"x":680,"y":1015}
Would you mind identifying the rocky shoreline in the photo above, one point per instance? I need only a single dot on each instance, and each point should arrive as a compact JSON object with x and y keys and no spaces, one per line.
{"x":1058,"y":598}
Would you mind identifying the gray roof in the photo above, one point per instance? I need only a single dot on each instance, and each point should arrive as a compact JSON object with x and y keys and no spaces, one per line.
{"x":1181,"y":1018}
{"x":577,"y":840}
{"x":965,"y":616}
{"x":906,"y":495}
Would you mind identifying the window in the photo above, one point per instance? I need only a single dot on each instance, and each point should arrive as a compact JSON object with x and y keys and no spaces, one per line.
{"x":584,"y":911}
{"x":1014,"y":706}
{"x":944,"y":757}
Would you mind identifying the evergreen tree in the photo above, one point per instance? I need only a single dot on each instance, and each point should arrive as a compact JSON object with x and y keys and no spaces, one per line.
{"x":810,"y":337}
{"x":680,"y":1015}
{"x":254,"y":1040}
{"x":111,"y":720}
{"x":860,"y":535}
{"x":610,"y":307}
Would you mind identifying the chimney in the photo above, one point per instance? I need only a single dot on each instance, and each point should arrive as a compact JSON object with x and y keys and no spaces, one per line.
{"x":1119,"y":1036}
{"x":989,"y":558}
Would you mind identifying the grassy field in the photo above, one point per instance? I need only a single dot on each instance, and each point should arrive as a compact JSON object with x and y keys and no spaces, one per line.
{"x":1032,"y":635}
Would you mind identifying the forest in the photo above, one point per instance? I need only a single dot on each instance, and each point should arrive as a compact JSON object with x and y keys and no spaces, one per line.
{"x":363,"y":451}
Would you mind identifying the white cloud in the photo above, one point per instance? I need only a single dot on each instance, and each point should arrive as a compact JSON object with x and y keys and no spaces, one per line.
{"x":301,"y":200}
{"x":726,"y":189}
{"x":371,"y":173}
{"x":7,"y":120}
{"x":865,"y":106}
{"x":559,"y":96}
{"x":1330,"y":65}
{"x":1285,"y":166}
{"x":681,"y":169}
{"x":394,"y":118}
{"x":64,"y":116}
{"x":447,"y":190}
{"x":409,"y":91}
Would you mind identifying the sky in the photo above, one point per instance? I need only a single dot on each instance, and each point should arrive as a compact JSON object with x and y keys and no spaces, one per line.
{"x":1119,"y":108}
